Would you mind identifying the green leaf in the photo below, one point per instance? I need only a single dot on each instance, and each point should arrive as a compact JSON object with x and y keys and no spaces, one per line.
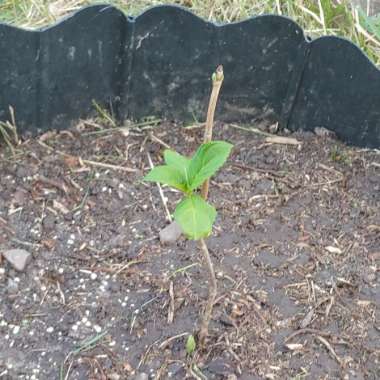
{"x":195,"y":216}
{"x":178,"y":161}
{"x":207,"y":160}
{"x":167,"y":175}
{"x":370,"y":23}
{"x":190,"y":344}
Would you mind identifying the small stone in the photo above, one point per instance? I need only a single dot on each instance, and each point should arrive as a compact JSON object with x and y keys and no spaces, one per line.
{"x":50,"y":329}
{"x":18,"y":258}
{"x":171,"y":233}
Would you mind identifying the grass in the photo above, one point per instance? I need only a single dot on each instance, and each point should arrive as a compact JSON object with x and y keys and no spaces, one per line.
{"x":317,"y":17}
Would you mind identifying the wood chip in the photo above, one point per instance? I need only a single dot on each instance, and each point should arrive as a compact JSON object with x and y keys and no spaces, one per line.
{"x":294,"y":346}
{"x":282,"y":140}
{"x":332,"y":249}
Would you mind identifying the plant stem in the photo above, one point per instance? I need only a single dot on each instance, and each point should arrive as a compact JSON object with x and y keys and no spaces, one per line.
{"x":203,"y":333}
{"x":217,"y":80}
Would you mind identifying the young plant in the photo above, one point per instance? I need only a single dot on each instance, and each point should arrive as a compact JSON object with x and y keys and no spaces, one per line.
{"x":194,"y":214}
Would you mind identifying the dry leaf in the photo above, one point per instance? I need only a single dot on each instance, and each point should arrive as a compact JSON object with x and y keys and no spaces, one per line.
{"x":48,"y":243}
{"x":71,"y":161}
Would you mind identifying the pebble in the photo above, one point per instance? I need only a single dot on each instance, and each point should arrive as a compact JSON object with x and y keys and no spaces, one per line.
{"x":18,"y":258}
{"x":50,"y":330}
{"x":171,"y":233}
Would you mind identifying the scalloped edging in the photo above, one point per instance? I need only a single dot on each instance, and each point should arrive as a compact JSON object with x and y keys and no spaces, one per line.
{"x":159,"y":63}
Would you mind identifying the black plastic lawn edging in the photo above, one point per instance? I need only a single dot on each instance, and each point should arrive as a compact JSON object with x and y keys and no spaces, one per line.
{"x":159,"y":64}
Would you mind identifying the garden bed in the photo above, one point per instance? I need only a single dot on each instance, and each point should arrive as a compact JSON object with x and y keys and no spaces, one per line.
{"x":295,"y":247}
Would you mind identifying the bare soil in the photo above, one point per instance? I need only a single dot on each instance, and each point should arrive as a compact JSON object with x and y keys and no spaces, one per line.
{"x":296,"y":248}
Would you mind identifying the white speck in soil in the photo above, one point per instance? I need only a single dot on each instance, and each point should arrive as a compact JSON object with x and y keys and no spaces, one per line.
{"x":74,"y":327}
{"x":70,"y":242}
{"x":50,"y":329}
{"x":93,"y":276}
{"x":16,"y":330}
{"x":97,"y":328}
{"x":123,"y":304}
{"x":112,"y":343}
{"x":60,"y":270}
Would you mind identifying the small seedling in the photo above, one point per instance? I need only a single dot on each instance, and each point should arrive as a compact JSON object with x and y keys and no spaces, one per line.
{"x":193,"y":213}
{"x":190,"y":345}
{"x":195,"y":216}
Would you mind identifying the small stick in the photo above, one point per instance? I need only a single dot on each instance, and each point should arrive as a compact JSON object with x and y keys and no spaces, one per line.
{"x":212,"y":292}
{"x":168,"y":216}
{"x":330,"y":349}
{"x":217,"y":80}
{"x":172,"y":304}
{"x":109,"y":166}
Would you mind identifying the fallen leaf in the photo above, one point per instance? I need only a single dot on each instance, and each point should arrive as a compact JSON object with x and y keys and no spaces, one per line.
{"x":48,"y":243}
{"x":71,"y":161}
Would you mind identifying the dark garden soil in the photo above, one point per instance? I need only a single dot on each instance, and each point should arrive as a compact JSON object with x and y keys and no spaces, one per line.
{"x":296,"y":248}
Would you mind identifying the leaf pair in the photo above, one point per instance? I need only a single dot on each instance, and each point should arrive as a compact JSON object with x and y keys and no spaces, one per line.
{"x":195,"y":216}
{"x":187,"y":174}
